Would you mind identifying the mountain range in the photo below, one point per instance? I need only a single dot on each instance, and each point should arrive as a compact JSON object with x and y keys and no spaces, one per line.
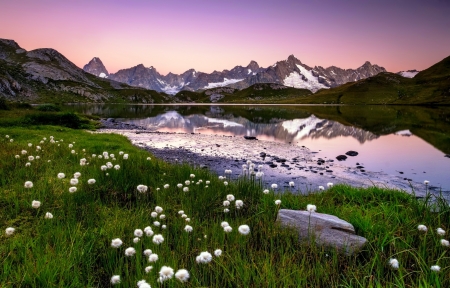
{"x":46,"y":76}
{"x":290,"y":72}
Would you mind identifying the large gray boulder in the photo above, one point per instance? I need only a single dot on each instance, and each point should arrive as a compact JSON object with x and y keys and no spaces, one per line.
{"x":326,"y":230}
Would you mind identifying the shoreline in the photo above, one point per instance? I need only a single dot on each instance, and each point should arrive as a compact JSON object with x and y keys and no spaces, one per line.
{"x":282,"y":163}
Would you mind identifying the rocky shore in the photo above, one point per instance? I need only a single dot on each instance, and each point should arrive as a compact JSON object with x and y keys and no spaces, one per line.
{"x":281,"y":163}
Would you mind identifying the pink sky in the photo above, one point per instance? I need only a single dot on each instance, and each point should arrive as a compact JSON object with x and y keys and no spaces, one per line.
{"x":207,"y":35}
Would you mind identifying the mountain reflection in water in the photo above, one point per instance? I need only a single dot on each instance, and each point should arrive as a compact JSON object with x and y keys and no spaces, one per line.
{"x":283,"y":131}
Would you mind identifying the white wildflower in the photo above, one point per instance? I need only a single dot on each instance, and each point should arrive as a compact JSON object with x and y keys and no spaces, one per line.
{"x":153,"y":258}
{"x":148,"y":269}
{"x":130,"y":251}
{"x":115,"y":279}
{"x":158,"y":239}
{"x":138,"y":233}
{"x":28,"y":184}
{"x":165,"y":273}
{"x":435,"y":268}
{"x":422,"y":228}
{"x":440,"y":231}
{"x":48,"y":215}
{"x":72,"y":189}
{"x":204,"y":257}
{"x":394,"y":263}
{"x":218,"y":252}
{"x":227,"y":229}
{"x":182,"y":275}
{"x":9,"y":231}
{"x":35,"y":204}
{"x":244,"y":229}
{"x":91,"y":181}
{"x":116,"y":243}
{"x":311,"y":208}
{"x":230,"y":197}
{"x":142,"y":188}
{"x":188,"y":228}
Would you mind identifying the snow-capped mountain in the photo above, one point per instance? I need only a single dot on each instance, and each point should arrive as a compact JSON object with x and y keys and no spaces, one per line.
{"x":96,"y":67}
{"x":408,"y":74}
{"x":291,"y":72}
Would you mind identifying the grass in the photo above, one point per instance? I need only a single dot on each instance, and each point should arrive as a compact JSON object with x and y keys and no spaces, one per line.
{"x":73,"y":249}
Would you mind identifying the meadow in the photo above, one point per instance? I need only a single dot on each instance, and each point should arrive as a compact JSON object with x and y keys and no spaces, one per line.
{"x":80,"y":209}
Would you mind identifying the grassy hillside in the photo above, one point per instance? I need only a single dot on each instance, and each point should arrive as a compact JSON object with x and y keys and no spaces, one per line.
{"x":261,"y":93}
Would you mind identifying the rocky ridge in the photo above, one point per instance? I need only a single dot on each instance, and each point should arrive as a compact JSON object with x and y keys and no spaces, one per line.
{"x":291,"y":72}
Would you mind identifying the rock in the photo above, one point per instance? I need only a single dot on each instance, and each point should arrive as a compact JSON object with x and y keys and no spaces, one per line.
{"x":447,"y":155}
{"x":250,"y":138}
{"x":341,"y":157}
{"x":352,"y":153}
{"x":273,"y":165}
{"x":326,"y":230}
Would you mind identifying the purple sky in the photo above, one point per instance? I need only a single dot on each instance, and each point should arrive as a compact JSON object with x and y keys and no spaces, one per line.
{"x":207,"y":35}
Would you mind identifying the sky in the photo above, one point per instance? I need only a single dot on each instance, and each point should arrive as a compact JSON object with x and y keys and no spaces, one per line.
{"x":207,"y":35}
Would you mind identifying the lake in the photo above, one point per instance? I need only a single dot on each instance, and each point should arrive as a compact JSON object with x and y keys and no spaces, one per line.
{"x":408,"y":141}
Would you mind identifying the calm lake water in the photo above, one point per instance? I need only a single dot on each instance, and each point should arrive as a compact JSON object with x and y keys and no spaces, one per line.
{"x":411,"y":142}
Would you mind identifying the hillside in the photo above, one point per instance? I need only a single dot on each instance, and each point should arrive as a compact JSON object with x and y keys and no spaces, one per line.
{"x":45,"y":75}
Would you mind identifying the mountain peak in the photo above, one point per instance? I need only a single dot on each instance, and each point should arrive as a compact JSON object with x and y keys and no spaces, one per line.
{"x":96,"y":67}
{"x":253,"y":65}
{"x":10,"y":43}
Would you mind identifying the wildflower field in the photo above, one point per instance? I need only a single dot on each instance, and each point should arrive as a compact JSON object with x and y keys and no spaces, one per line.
{"x":79,"y":209}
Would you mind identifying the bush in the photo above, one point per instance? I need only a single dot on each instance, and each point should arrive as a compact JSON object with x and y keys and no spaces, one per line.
{"x":49,"y":108}
{"x":70,"y":120}
{"x":3,"y":104}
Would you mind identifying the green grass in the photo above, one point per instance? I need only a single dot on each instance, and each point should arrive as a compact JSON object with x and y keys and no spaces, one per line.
{"x":73,"y":249}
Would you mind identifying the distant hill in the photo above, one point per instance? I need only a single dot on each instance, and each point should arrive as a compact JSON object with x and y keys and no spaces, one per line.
{"x":45,"y":75}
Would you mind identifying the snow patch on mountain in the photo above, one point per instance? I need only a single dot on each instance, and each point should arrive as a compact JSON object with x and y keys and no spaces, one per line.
{"x":296,"y":80}
{"x":408,"y":74}
{"x":224,"y":122}
{"x":172,"y":90}
{"x":103,"y":75}
{"x":302,"y":127}
{"x":403,"y":133}
{"x":221,"y":84}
